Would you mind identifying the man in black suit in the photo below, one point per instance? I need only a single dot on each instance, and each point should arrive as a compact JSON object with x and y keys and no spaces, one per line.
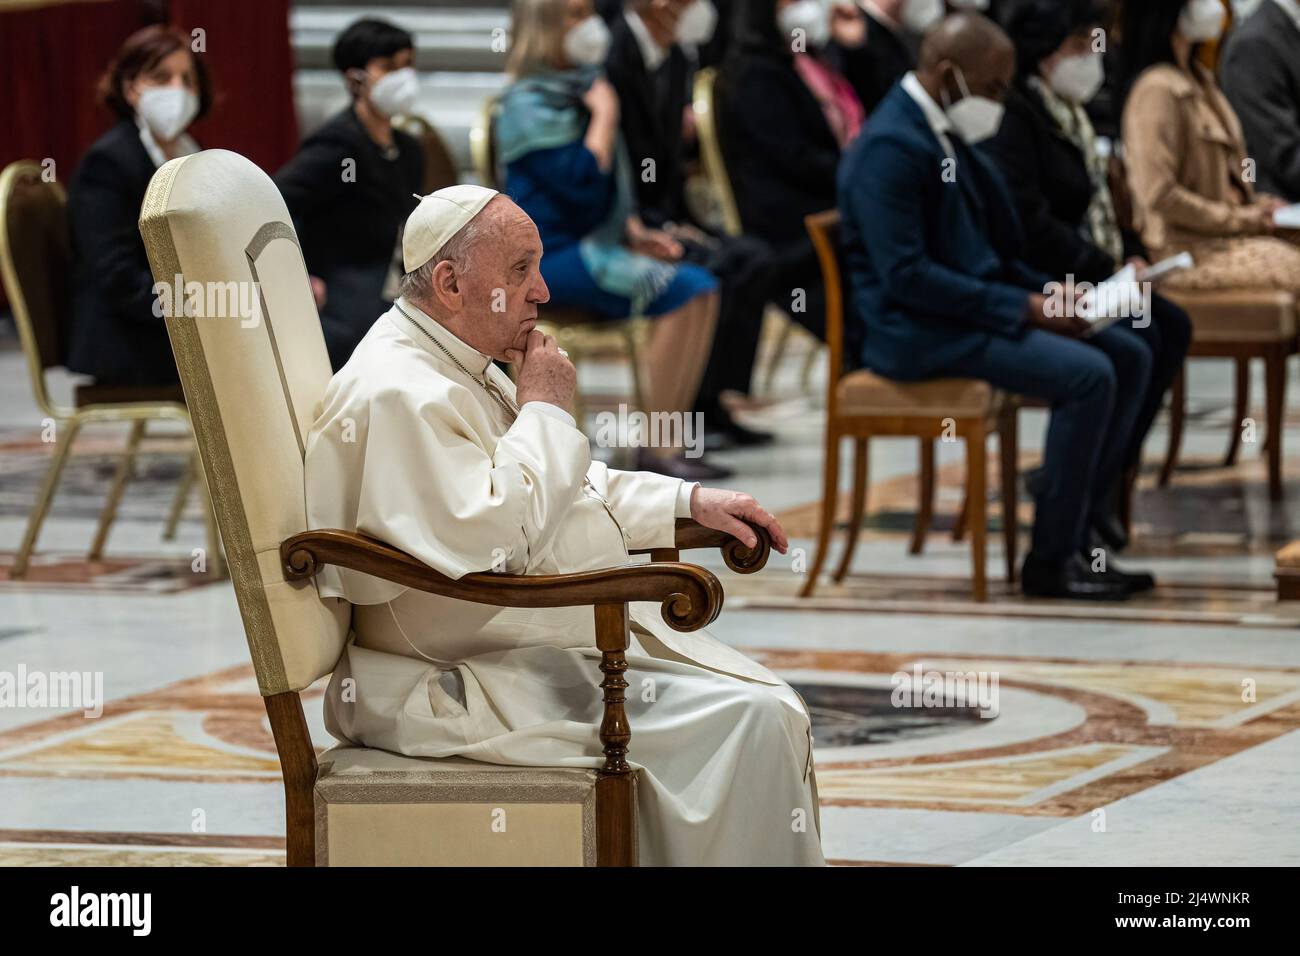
{"x":352,"y":184}
{"x":652,"y":75}
{"x":1261,"y":76}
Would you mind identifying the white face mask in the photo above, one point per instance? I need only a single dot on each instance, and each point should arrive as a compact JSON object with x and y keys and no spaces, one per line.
{"x":167,"y":110}
{"x":587,"y":43}
{"x":809,"y":16}
{"x":1201,"y":20}
{"x":970,"y":4}
{"x":697,"y":23}
{"x":976,"y":117}
{"x":919,"y":15}
{"x":1078,"y":78}
{"x":395,"y":92}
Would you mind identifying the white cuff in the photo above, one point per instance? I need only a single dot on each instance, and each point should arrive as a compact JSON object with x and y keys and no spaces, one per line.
{"x":684,"y":498}
{"x":555,"y":411}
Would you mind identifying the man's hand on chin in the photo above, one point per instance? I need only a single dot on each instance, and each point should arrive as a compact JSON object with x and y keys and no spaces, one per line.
{"x":727,"y":511}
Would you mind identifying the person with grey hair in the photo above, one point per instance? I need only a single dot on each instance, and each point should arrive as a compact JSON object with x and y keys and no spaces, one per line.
{"x":424,"y":443}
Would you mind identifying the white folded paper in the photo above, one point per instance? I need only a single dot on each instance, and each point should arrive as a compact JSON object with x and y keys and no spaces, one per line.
{"x":1119,"y":297}
{"x":1288,"y":217}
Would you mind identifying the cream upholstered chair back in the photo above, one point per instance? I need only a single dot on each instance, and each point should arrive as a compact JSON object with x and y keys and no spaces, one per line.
{"x":252,"y":359}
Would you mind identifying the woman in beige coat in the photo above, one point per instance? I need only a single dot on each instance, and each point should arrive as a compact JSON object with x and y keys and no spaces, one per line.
{"x":1191,"y":179}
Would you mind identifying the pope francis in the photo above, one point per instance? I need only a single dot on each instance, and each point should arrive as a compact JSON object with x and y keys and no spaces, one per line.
{"x":424,"y":443}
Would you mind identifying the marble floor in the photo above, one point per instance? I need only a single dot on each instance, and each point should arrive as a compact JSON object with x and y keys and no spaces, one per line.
{"x":1165,"y":730}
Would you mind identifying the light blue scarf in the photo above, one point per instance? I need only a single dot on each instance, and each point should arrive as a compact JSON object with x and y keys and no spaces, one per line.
{"x":545,"y":111}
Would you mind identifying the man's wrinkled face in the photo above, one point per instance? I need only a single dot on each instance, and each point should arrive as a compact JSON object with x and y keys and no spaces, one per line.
{"x":503,"y":287}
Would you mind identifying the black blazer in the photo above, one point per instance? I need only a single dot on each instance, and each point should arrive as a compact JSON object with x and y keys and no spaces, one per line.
{"x":115,"y":335}
{"x":650,"y":118}
{"x":349,"y":227}
{"x":1261,"y":78}
{"x":1052,"y":189}
{"x":779,"y":150}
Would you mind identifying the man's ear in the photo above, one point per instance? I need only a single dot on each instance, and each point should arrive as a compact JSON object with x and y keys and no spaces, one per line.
{"x":446,"y":286}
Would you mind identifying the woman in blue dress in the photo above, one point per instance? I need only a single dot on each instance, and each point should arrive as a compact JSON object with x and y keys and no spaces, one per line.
{"x":566,"y":166}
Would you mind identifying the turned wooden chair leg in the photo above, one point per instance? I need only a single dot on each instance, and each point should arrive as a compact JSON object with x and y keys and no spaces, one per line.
{"x":1127,"y":489}
{"x":1177,"y":412}
{"x":66,"y":434}
{"x":1275,"y":392}
{"x":1241,"y":408}
{"x":924,"y":497}
{"x":125,"y":469}
{"x":1009,"y":446}
{"x":830,"y":494}
{"x":976,"y":506}
{"x":615,"y":785}
{"x":861,"y":451}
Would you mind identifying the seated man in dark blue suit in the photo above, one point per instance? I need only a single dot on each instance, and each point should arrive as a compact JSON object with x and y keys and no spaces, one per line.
{"x":932,"y":246}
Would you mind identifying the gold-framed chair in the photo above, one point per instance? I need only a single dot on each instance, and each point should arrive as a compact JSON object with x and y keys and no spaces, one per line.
{"x":255,"y":393}
{"x":780,"y":330}
{"x":36,"y":267}
{"x":862,"y":405}
{"x":583,"y":335}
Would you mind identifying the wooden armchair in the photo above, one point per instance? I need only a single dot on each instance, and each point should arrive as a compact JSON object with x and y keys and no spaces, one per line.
{"x":254,"y":390}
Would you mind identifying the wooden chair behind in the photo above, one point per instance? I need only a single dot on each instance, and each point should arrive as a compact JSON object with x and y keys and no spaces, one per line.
{"x":861,"y":405}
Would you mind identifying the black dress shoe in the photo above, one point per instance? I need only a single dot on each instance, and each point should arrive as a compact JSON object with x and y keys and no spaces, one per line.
{"x":1137,"y":582}
{"x":677,"y":466}
{"x":1071,"y":579}
{"x":723,"y":433}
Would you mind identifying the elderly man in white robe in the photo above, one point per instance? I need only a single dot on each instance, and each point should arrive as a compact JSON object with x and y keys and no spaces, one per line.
{"x":424,"y":443}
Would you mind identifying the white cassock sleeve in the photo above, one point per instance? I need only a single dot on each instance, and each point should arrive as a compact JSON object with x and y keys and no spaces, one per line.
{"x":431,"y":487}
{"x":645,"y":504}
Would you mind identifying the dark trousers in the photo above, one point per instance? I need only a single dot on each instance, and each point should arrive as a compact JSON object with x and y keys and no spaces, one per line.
{"x":1097,"y":388}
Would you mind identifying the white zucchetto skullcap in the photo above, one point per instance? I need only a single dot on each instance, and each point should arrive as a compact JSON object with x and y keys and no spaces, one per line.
{"x":440,"y":216}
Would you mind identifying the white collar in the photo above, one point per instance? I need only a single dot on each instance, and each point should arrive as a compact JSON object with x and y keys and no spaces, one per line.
{"x":938,"y":120}
{"x":652,"y":54}
{"x":474,"y":361}
{"x":1292,"y":9}
{"x":185,"y":145}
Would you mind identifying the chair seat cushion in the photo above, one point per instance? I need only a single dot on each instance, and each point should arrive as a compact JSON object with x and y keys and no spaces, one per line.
{"x":1289,"y":557}
{"x":121,"y":394}
{"x":375,"y":808}
{"x":1247,"y":316}
{"x":865,"y":393}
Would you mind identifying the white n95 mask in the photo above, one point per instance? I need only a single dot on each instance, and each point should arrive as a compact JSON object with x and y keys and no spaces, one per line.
{"x":167,"y":110}
{"x":810,"y":16}
{"x":587,"y":43}
{"x":395,"y":92}
{"x":919,"y":15}
{"x":1078,"y":78}
{"x":976,"y":117}
{"x":1201,"y":20}
{"x":697,"y":23}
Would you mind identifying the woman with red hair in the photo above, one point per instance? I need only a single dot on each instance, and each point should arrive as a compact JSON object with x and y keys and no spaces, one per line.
{"x":156,"y":86}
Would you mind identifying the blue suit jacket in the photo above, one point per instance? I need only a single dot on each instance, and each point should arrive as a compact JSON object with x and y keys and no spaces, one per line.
{"x":933,"y":265}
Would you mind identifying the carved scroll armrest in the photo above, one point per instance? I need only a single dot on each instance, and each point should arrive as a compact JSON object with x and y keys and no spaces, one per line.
{"x":690,"y":596}
{"x":692,"y":534}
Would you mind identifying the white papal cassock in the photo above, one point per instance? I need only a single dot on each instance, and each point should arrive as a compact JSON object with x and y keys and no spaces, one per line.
{"x":416,"y":451}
